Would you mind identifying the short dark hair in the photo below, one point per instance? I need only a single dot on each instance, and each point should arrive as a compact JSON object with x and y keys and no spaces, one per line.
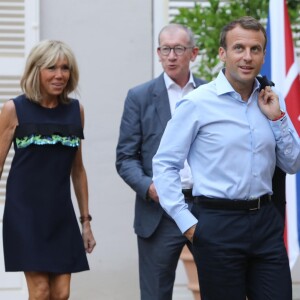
{"x":246,"y":22}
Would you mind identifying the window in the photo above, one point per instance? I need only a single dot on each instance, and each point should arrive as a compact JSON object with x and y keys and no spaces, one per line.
{"x":18,"y":33}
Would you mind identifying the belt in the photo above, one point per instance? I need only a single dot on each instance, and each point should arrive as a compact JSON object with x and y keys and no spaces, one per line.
{"x":228,"y":204}
{"x":188,"y":195}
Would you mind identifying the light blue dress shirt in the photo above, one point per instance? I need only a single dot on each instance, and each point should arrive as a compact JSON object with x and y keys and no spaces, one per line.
{"x":175,"y":94}
{"x":231,"y":146}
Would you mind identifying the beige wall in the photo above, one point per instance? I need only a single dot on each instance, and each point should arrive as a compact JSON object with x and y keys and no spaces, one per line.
{"x":112,"y":41}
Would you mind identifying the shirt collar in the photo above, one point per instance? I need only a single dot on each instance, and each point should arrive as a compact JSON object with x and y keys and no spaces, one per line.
{"x":223,"y":86}
{"x":169,"y":82}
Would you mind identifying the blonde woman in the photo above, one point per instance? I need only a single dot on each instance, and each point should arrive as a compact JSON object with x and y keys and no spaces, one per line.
{"x":41,"y":236}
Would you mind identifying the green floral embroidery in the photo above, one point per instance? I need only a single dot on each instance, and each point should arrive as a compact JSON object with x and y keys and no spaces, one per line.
{"x":71,"y":141}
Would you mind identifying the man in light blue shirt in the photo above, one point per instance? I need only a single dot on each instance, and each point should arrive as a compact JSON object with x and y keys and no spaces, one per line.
{"x":233,"y":136}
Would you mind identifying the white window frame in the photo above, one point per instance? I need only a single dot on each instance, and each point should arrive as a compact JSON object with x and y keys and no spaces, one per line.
{"x":12,"y":62}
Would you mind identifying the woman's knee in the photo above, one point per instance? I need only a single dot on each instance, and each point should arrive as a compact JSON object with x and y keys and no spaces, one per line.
{"x":40,"y":291}
{"x":38,"y":286}
{"x":61,"y":294}
{"x":60,"y":286}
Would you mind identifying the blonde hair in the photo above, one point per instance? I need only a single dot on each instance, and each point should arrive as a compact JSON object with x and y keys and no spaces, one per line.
{"x":45,"y":54}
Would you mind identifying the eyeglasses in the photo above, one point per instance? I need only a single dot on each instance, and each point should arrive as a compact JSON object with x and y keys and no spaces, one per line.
{"x":178,"y":50}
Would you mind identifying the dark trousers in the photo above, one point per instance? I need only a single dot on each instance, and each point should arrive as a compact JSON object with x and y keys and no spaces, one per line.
{"x":241,"y":253}
{"x":158,"y":259}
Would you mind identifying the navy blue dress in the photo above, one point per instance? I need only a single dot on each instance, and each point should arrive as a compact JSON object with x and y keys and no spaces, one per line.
{"x":40,"y":228}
